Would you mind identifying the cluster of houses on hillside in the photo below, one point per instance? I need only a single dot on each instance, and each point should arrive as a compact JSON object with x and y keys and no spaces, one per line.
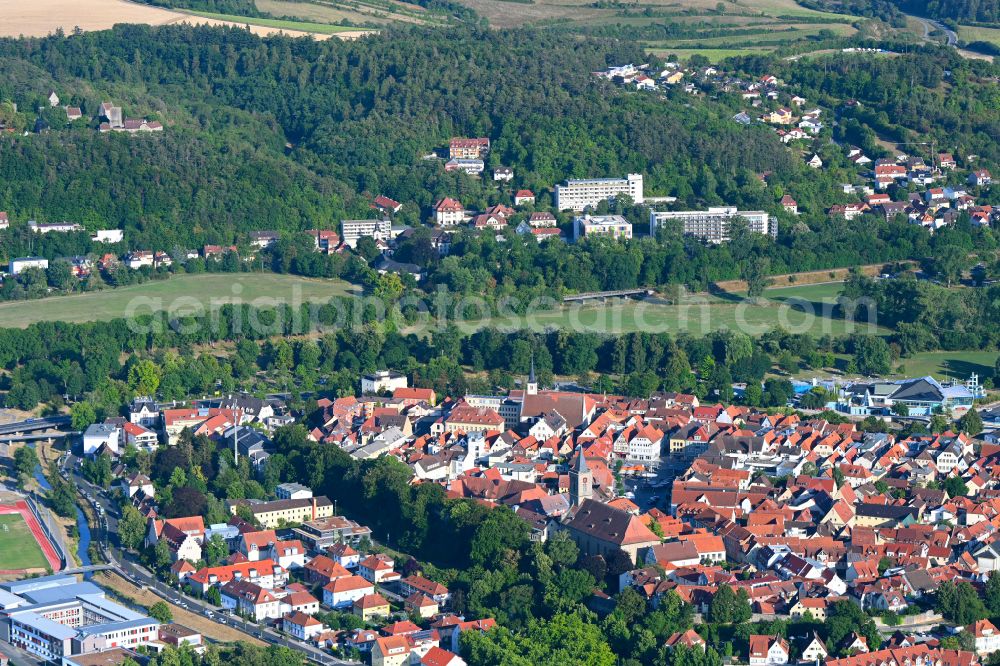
{"x":794,"y":120}
{"x":110,"y":118}
{"x":933,"y":207}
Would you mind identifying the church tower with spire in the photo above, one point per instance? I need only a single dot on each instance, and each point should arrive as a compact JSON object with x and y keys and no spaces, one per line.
{"x":581,"y":480}
{"x":531,"y":388}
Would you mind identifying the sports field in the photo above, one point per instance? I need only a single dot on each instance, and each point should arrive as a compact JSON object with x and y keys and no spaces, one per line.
{"x":804,"y":309}
{"x":18,"y":548}
{"x":177,"y":295}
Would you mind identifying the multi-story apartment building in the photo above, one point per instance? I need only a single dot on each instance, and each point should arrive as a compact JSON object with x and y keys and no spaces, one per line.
{"x":351,"y":231}
{"x":279,"y":513}
{"x":448,"y":212}
{"x":714,"y":224}
{"x":471,"y":149}
{"x":579,"y":194}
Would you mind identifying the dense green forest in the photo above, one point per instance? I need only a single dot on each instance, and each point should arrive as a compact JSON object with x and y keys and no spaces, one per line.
{"x":356,"y":116}
{"x":961,"y":11}
{"x":891,"y":11}
{"x":295,"y":134}
{"x":886,"y":10}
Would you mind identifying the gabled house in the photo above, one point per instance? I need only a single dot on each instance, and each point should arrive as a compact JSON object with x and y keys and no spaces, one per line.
{"x":371,"y":607}
{"x":250,"y":599}
{"x":522,"y":197}
{"x":343,"y":592}
{"x":768,"y":650}
{"x":980,"y":177}
{"x":789,"y":204}
{"x":301,"y":626}
{"x":184,"y":536}
{"x":448,"y":212}
{"x":986,"y":636}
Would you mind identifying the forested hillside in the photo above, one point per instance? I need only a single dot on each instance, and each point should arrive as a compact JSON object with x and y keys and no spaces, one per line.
{"x":357,"y":117}
{"x":963,"y":11}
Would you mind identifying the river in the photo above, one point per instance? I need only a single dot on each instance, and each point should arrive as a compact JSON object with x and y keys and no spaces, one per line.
{"x":83,"y":528}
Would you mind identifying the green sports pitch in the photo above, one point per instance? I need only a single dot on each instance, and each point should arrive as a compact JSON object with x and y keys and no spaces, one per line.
{"x":18,"y":548}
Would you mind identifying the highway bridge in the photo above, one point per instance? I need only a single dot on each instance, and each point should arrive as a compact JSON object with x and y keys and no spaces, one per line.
{"x":34,"y":425}
{"x":8,"y":439}
{"x":595,"y":295}
{"x":90,"y":569}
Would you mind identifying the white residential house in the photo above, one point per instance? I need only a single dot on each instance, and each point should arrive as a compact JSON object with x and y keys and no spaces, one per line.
{"x":101,"y":434}
{"x":768,"y":650}
{"x":382,"y":380}
{"x":301,"y":626}
{"x":448,"y":212}
{"x":289,"y":554}
{"x":22,"y":264}
{"x":143,"y":411}
{"x":137,"y":482}
{"x":342,"y":592}
{"x":814,"y":651}
{"x":986,"y":635}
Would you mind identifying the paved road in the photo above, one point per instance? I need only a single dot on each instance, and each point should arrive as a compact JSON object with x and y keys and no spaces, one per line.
{"x":34,"y":424}
{"x":655,"y":492}
{"x":930,"y":25}
{"x":139,"y":575}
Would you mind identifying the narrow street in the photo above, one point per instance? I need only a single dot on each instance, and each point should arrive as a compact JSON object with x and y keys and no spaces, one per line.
{"x":141,"y":577}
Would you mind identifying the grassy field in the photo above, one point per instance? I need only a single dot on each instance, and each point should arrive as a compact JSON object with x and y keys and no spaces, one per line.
{"x":697,"y":314}
{"x":949,"y":364}
{"x":777,"y":36}
{"x":179,"y":293}
{"x":713,"y":55}
{"x":501,"y":13}
{"x":977,"y":34}
{"x":279,"y":24}
{"x":381,"y":12}
{"x":18,"y":548}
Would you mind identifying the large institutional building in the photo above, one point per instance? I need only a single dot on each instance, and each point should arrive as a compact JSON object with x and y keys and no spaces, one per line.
{"x":57,"y":616}
{"x":615,"y":226}
{"x":351,"y":231}
{"x":579,"y":194}
{"x":713,"y":225}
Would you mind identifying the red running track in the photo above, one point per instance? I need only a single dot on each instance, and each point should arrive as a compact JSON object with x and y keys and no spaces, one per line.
{"x":48,"y":549}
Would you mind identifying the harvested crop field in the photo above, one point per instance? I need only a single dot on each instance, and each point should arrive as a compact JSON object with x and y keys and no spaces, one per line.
{"x":43,"y":17}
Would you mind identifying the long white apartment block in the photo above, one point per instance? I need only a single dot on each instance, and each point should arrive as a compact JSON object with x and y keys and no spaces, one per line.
{"x":577,"y":195}
{"x":714,"y":224}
